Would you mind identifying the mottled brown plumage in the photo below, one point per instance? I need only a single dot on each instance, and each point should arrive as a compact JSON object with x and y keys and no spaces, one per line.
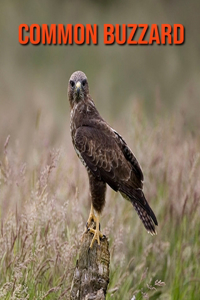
{"x":105,"y":154}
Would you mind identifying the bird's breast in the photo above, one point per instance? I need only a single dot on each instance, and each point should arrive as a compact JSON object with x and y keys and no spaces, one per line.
{"x":73,"y":121}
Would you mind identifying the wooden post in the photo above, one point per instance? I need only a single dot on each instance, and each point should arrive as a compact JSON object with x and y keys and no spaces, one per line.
{"x":91,"y":275}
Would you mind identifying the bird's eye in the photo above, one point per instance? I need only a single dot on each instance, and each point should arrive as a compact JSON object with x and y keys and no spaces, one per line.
{"x":72,"y":83}
{"x":84,"y":82}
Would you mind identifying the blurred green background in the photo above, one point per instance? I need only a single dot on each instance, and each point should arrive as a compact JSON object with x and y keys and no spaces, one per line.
{"x":33,"y":79}
{"x":150,"y":95}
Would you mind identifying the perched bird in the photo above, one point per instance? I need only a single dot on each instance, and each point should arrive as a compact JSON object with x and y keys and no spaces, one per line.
{"x":106,"y":156}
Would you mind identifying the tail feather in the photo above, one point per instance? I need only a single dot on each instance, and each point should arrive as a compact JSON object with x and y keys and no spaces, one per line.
{"x":146,"y":218}
{"x":142,"y":208}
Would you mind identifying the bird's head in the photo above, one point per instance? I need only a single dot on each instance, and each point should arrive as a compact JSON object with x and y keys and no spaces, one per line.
{"x":78,"y":87}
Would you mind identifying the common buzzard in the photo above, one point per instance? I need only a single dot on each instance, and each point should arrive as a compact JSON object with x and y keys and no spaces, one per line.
{"x":106,"y":156}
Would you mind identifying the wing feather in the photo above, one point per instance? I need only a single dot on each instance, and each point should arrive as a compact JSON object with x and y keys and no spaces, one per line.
{"x":102,"y":156}
{"x":130,"y":156}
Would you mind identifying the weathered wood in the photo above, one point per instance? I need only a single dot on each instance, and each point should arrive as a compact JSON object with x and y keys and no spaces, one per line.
{"x":91,"y":275}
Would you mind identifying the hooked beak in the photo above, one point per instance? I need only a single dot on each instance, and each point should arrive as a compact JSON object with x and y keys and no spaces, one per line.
{"x":78,"y":88}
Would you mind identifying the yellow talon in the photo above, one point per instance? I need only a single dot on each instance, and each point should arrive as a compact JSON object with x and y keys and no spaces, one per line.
{"x":97,"y":236}
{"x":96,"y":232}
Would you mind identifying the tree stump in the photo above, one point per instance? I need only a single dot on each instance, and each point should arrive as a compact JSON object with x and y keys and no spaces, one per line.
{"x":91,"y":275}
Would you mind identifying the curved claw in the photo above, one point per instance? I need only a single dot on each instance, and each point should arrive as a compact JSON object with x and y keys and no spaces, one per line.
{"x":96,"y":231}
{"x":97,"y":236}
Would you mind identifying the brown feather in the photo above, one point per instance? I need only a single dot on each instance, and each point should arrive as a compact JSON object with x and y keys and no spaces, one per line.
{"x":105,"y":154}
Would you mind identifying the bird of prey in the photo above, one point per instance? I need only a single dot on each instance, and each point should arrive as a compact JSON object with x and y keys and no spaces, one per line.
{"x":106,"y":156}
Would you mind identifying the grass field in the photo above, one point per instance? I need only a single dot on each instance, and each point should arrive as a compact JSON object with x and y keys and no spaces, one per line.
{"x":44,"y":205}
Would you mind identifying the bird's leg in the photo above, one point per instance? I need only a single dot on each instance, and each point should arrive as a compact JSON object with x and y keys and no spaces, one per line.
{"x":91,"y":217}
{"x":96,"y":232}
